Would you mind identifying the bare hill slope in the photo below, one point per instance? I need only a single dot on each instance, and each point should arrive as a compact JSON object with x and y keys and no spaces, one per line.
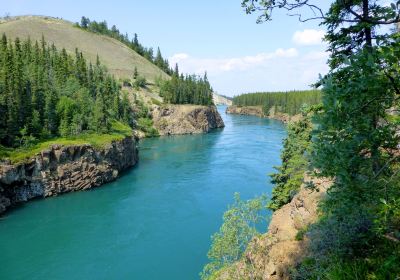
{"x":119,"y":59}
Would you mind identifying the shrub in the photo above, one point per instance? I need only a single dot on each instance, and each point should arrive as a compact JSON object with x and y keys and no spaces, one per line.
{"x":140,"y":82}
{"x":156,"y":102}
{"x":238,"y":229}
{"x":146,"y":125}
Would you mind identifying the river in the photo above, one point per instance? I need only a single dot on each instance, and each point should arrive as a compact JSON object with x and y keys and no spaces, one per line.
{"x":155,"y":222}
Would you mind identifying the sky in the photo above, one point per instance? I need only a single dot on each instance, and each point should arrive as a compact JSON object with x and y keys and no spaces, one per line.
{"x":238,"y":54}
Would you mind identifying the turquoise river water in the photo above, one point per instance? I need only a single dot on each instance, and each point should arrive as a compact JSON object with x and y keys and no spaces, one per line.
{"x":155,"y":222}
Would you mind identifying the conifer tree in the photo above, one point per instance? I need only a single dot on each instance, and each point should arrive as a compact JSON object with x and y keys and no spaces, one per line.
{"x":176,"y":71}
{"x":47,"y":93}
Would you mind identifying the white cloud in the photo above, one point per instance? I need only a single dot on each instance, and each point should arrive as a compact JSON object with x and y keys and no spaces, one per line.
{"x":199,"y":65}
{"x":283,"y":69}
{"x":179,"y":56}
{"x":308,"y":37}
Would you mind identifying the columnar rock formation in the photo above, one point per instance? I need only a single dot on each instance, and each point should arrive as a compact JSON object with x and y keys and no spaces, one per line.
{"x":186,"y":119}
{"x":258,"y":111}
{"x":62,"y":169}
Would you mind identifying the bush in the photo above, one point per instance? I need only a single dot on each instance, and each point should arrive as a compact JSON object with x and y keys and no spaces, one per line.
{"x":289,"y":176}
{"x":126,"y":83}
{"x":238,"y":229}
{"x":146,"y":125}
{"x":140,"y":82}
{"x":156,"y":102}
{"x":349,"y":247}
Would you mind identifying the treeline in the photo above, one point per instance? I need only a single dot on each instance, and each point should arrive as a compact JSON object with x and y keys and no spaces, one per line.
{"x":189,"y":89}
{"x":289,"y":102}
{"x":46,"y":93}
{"x":134,"y":44}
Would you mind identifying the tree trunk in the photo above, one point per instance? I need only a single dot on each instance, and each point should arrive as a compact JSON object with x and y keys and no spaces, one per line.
{"x":367,"y":30}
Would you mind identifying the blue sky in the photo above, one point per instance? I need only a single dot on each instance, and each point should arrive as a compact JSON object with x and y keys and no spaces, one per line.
{"x":217,"y":36}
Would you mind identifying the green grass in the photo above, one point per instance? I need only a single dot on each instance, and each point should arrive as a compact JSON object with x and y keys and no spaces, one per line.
{"x":119,"y":132}
{"x":146,"y":125}
{"x":394,"y":119}
{"x":156,"y":102}
{"x":301,"y":233}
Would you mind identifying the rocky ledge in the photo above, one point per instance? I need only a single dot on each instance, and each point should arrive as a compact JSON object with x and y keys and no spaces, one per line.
{"x":272,"y":255}
{"x":186,"y":119}
{"x":258,"y":111}
{"x":62,"y":169}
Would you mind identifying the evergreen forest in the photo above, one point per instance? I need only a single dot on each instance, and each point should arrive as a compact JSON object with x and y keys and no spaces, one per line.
{"x":289,"y":102}
{"x":189,"y":89}
{"x":46,"y":93}
{"x":181,"y":89}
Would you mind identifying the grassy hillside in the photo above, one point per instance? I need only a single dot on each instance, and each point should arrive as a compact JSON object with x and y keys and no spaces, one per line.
{"x":119,"y":59}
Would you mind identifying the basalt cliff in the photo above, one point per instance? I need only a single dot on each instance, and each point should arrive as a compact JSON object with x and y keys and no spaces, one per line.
{"x":259,"y":112}
{"x":186,"y":119}
{"x":62,"y":169}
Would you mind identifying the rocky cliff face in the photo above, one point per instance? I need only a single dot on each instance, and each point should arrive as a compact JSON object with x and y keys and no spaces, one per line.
{"x":258,"y":111}
{"x":272,"y":255}
{"x":186,"y":119}
{"x":246,"y":110}
{"x":62,"y":169}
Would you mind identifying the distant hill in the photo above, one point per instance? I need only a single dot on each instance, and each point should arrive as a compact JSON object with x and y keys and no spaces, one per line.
{"x":119,"y":59}
{"x":221,"y":100}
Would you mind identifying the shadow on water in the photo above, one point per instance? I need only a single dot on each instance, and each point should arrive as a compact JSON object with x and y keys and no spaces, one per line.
{"x":155,"y":222}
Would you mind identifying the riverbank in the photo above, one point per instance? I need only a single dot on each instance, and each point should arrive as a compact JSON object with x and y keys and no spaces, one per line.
{"x":272,"y":255}
{"x":259,"y":112}
{"x":66,"y":165}
{"x":176,"y":194}
{"x":64,"y":168}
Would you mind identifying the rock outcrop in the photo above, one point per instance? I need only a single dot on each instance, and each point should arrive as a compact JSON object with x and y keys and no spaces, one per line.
{"x":62,"y":169}
{"x":272,"y":255}
{"x":258,"y":111}
{"x":246,"y":110}
{"x":185,"y":119}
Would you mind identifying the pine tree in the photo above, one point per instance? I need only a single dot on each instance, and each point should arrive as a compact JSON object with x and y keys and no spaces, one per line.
{"x":159,"y":61}
{"x":136,"y":41}
{"x":51,"y":119}
{"x":84,"y":22}
{"x":3,"y":89}
{"x":100,"y":123}
{"x":47,"y":93}
{"x":176,"y":71}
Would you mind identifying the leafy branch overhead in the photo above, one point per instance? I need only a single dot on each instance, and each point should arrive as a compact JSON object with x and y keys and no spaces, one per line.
{"x":353,"y":11}
{"x":354,"y":141}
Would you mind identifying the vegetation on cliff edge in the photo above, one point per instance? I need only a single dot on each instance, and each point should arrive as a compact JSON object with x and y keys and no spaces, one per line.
{"x":239,"y":227}
{"x":118,"y":132}
{"x":295,"y":162}
{"x":189,"y":89}
{"x":355,"y":142}
{"x":47,"y":93}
